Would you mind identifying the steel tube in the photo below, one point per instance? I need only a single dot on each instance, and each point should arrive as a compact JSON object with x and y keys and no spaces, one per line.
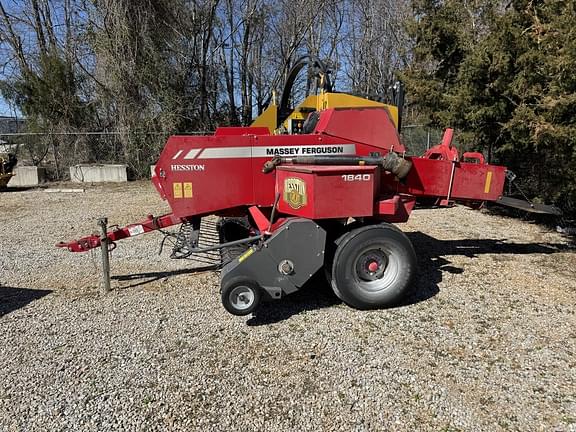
{"x":103,"y":223}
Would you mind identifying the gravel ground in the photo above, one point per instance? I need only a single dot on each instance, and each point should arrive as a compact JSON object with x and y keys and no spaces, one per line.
{"x":487,"y":341}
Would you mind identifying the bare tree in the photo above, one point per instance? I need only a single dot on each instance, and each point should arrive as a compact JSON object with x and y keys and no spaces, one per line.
{"x":145,"y":69}
{"x":376,"y":46}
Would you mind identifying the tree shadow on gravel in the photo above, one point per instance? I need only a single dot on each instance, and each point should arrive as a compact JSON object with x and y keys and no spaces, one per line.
{"x":431,"y":248}
{"x":12,"y":299}
{"x":148,"y":277}
{"x":432,"y":263}
{"x":316,"y":294}
{"x":20,"y":188}
{"x":565,"y":227}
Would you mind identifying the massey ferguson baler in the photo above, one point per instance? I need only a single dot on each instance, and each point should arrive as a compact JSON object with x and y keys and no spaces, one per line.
{"x":294,"y":204}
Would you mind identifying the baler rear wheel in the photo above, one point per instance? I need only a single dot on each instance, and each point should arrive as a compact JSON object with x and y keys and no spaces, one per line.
{"x":241,"y":296}
{"x":373,"y":266}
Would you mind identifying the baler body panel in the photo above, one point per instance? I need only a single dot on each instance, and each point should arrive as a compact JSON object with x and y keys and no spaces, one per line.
{"x":298,"y":241}
{"x":320,"y":192}
{"x":202,"y":175}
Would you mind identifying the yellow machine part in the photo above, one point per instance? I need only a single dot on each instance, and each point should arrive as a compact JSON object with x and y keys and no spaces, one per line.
{"x":267,"y":118}
{"x":319,"y":102}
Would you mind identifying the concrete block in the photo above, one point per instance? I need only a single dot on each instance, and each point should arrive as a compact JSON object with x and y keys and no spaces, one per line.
{"x":98,"y":173}
{"x":27,"y":176}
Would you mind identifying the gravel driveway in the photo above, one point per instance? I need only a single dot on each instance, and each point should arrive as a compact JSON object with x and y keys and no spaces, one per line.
{"x":487,"y":341}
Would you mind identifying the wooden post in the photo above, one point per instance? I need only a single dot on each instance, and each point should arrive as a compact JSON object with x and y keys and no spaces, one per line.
{"x":104,"y":242}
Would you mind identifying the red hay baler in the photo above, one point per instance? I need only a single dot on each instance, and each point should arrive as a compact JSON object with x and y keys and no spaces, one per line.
{"x":294,"y":204}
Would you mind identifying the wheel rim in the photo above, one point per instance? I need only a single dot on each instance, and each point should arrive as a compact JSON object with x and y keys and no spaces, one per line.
{"x":241,"y":297}
{"x":375,"y":268}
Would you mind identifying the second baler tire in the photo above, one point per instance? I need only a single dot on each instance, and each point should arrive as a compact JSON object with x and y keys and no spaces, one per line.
{"x":401,"y":261}
{"x":248,"y":285}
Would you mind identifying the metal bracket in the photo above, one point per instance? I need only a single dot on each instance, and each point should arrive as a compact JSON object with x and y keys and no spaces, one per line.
{"x":446,"y":202}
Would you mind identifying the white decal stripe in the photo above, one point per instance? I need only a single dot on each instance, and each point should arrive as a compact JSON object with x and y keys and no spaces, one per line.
{"x":192,"y":153}
{"x":227,"y":152}
{"x":178,"y":153}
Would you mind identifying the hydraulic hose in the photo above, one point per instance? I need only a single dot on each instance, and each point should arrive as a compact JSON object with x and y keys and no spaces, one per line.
{"x":391,"y":162}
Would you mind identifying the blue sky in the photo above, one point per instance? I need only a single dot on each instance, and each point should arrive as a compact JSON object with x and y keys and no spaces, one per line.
{"x":5,"y":108}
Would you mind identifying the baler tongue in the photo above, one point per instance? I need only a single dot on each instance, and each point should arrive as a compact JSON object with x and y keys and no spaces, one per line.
{"x":528,"y":206}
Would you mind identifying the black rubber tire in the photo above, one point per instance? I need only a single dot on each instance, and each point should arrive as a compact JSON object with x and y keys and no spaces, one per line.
{"x":396,"y":262}
{"x":229,"y":295}
{"x":334,"y":233}
{"x":334,"y":230}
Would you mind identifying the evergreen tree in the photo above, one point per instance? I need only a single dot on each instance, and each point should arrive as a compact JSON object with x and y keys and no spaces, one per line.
{"x":509,"y":88}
